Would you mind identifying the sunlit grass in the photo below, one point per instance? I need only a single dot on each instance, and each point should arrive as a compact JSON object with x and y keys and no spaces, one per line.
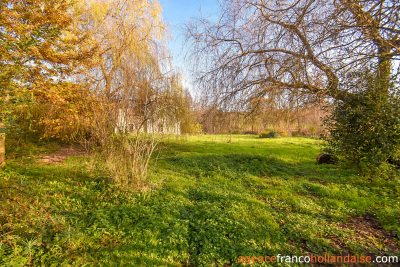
{"x":214,"y":198}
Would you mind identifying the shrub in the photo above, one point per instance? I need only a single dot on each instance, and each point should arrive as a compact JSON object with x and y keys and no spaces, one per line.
{"x":282,"y":133}
{"x":313,"y":130}
{"x":365,"y":130}
{"x":269,"y":135}
{"x":126,"y":159}
{"x":192,"y":128}
{"x":251,"y":132}
{"x":295,"y":133}
{"x":263,"y":135}
{"x":273,"y":135}
{"x":305,"y":132}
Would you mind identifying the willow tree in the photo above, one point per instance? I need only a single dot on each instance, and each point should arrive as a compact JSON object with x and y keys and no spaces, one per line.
{"x":125,"y":77}
{"x":131,"y":36}
{"x":259,"y":48}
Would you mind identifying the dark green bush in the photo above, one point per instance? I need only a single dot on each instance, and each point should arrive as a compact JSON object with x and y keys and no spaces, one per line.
{"x":273,"y":135}
{"x":365,"y":130}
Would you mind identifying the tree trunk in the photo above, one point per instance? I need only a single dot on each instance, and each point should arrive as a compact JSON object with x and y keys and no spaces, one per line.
{"x":2,"y":147}
{"x":384,"y":69}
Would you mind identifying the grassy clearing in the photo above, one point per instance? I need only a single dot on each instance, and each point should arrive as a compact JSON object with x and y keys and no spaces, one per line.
{"x":213,"y":201}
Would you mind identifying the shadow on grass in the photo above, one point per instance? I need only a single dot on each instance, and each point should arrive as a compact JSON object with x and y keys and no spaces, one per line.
{"x":237,"y":166}
{"x":214,"y":209}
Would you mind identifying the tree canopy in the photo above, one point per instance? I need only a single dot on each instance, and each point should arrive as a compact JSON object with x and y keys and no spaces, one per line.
{"x":258,"y":48}
{"x":42,"y":46}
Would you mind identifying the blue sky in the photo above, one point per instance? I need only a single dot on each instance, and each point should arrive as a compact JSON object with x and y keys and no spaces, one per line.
{"x":176,"y":13}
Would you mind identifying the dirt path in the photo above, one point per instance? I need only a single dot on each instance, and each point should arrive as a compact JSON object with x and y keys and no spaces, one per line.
{"x":61,"y":155}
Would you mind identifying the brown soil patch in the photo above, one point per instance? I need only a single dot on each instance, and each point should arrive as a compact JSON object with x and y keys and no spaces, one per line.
{"x":61,"y":155}
{"x":369,"y":232}
{"x":318,"y":181}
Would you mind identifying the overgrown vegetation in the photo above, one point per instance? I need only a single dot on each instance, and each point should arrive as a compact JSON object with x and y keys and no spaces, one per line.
{"x":126,"y":159}
{"x":365,"y":129}
{"x":269,"y":135}
{"x":98,"y":74}
{"x":210,"y":202}
{"x":82,"y":71}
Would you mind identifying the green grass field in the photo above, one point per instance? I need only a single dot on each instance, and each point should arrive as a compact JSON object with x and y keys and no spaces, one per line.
{"x":211,"y":202}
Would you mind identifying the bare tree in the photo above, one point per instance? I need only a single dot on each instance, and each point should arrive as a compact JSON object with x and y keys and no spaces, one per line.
{"x":260,"y":48}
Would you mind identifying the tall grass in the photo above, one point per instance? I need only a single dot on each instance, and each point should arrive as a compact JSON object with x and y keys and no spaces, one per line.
{"x":126,"y":159}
